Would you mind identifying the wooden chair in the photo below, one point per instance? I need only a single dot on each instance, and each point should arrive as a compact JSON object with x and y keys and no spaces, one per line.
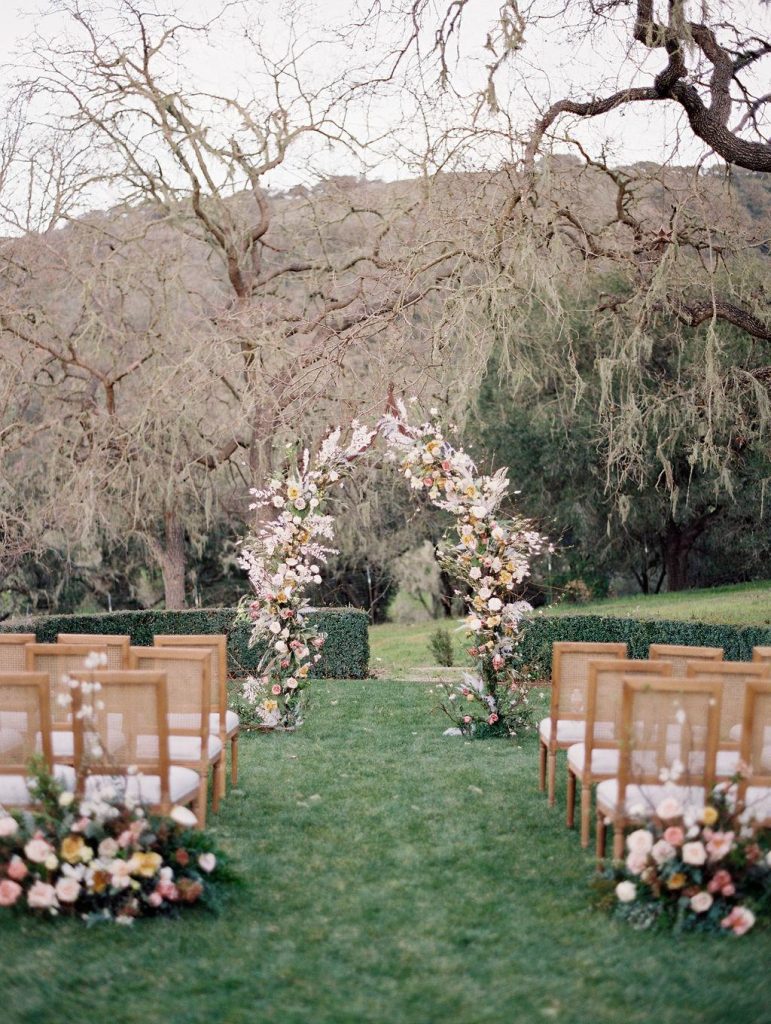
{"x":567,"y":715}
{"x":597,"y":757}
{"x":117,"y":646}
{"x":188,"y":699}
{"x":668,"y":726}
{"x":762,"y":654}
{"x":734,"y":677}
{"x":25,"y":731}
{"x":755,"y":753}
{"x":678,"y":656}
{"x":123,"y":741}
{"x":222,"y":722}
{"x":58,"y":661}
{"x":13,"y":654}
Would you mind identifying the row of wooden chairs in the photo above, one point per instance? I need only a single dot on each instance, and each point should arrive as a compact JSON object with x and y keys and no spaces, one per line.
{"x":196,"y":721}
{"x":588,"y":686}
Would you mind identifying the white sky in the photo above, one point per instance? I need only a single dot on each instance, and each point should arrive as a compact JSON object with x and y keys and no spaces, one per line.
{"x":550,"y":65}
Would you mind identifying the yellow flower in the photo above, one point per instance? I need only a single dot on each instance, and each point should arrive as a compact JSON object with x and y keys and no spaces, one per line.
{"x":292,"y":491}
{"x":270,"y":705}
{"x":677,"y":881}
{"x":72,"y":848}
{"x":145,"y":864}
{"x":302,"y":671}
{"x":709,"y":815}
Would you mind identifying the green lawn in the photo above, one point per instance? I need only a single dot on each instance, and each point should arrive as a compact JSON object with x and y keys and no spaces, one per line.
{"x":396,"y":650}
{"x":743,"y":604}
{"x":390,"y":875}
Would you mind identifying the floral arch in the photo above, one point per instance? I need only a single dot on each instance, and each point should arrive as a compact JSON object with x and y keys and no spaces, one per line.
{"x":483,"y":549}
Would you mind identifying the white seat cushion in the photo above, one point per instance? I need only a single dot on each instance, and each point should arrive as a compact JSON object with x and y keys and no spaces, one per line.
{"x":568,"y":731}
{"x":63,"y":742}
{"x":604,"y":761}
{"x":232,"y":722}
{"x":14,"y":791}
{"x":181,"y":748}
{"x":758,"y":803}
{"x":648,"y":797}
{"x":183,"y":784}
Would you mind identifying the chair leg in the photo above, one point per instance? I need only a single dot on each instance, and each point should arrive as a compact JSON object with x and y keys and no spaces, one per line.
{"x":220,"y":776}
{"x":199,"y":806}
{"x":618,"y":839}
{"x":586,"y":813}
{"x":542,"y":750}
{"x":552,"y":775}
{"x":570,"y":819}
{"x":215,"y":791}
{"x":234,"y":760}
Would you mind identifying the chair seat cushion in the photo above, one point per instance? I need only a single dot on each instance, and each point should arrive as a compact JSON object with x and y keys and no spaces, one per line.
{"x":604,"y":761}
{"x":232,"y":722}
{"x":14,"y":790}
{"x":183,"y":785}
{"x":646,"y":798}
{"x":757,"y":803}
{"x":63,"y":742}
{"x":568,"y":731}
{"x":181,"y":748}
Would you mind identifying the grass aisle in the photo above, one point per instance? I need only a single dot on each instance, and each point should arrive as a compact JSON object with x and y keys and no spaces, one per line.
{"x":391,"y":875}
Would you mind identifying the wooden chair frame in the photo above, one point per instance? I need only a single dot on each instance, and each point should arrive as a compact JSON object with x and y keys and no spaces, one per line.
{"x":13,"y":649}
{"x":762,"y":654}
{"x":112,"y":641}
{"x":629,"y":668}
{"x":665,"y":685}
{"x":547,"y":761}
{"x":217,"y":643}
{"x":681,"y":652}
{"x":721,"y":672}
{"x":202,"y":658}
{"x":758,"y":778}
{"x":40,"y":682}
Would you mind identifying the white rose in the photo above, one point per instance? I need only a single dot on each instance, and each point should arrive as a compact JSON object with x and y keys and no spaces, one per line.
{"x":8,"y":826}
{"x":485,"y":592}
{"x":701,"y":902}
{"x":51,"y":862}
{"x":41,"y":896}
{"x":694,"y":853}
{"x":281,"y":647}
{"x":66,"y":798}
{"x":275,"y":628}
{"x":67,"y":890}
{"x":183,"y":816}
{"x":495,"y":604}
{"x":636,"y":862}
{"x":475,"y":573}
{"x":662,"y":851}
{"x":639,"y":841}
{"x":626,"y":892}
{"x":207,"y":862}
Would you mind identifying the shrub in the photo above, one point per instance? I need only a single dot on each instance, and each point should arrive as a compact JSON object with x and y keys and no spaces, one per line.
{"x":345,"y":655}
{"x":576,"y":592}
{"x":441,"y":647}
{"x":539,"y":633}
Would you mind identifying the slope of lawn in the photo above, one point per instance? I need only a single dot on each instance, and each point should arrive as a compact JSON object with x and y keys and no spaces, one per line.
{"x":393,"y":876}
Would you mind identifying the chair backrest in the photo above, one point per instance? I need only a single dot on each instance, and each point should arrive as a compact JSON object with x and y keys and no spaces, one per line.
{"x":604,"y":698}
{"x":570,"y":676}
{"x":762,"y":654}
{"x":733,"y":676}
{"x":13,"y":655}
{"x":669,"y":731}
{"x":25,"y":721}
{"x":117,"y":646}
{"x":58,"y":660}
{"x":678,"y":656}
{"x":755,"y":747}
{"x":187,"y":688}
{"x":217,"y":645}
{"x":121,"y":726}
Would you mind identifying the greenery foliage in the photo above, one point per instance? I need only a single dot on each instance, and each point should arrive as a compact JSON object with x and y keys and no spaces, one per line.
{"x":441,"y":647}
{"x":345,"y":654}
{"x":539,"y":633}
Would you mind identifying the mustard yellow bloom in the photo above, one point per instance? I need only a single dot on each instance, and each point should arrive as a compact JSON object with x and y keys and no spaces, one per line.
{"x":677,"y":881}
{"x":145,"y":864}
{"x":72,"y":847}
{"x":709,"y":815}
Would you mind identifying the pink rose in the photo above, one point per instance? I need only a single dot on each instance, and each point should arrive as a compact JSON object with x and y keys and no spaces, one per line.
{"x":155,"y":899}
{"x":275,"y":689}
{"x":125,"y":839}
{"x":498,"y":662}
{"x":8,"y":826}
{"x":728,"y":889}
{"x":718,"y":880}
{"x":740,"y":920}
{"x":467,"y":719}
{"x":720,"y":845}
{"x":17,"y":869}
{"x":67,"y":890}
{"x":41,"y":896}
{"x":701,"y":902}
{"x":636,"y":862}
{"x":9,"y":892}
{"x":492,"y":719}
{"x":37,"y":850}
{"x":674,"y":835}
{"x":167,"y":890}
{"x":662,"y":851}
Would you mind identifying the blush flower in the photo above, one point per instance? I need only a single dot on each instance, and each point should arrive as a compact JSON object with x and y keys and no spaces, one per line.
{"x":41,"y":896}
{"x":740,"y":920}
{"x":37,"y":850}
{"x":17,"y":869}
{"x":662,"y":851}
{"x":694,"y":854}
{"x":674,"y":835}
{"x":9,"y":892}
{"x":207,"y":862}
{"x":67,"y":890}
{"x":720,"y":845}
{"x":669,"y":808}
{"x":8,"y":826}
{"x":701,"y":902}
{"x":640,"y":841}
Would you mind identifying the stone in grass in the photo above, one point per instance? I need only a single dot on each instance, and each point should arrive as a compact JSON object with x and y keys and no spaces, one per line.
{"x":454,"y":731}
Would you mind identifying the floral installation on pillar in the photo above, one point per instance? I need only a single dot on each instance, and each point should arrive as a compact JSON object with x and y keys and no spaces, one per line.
{"x":283,"y":557}
{"x":490,"y":554}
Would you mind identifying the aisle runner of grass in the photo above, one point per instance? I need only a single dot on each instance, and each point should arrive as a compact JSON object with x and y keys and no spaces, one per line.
{"x":390,"y":875}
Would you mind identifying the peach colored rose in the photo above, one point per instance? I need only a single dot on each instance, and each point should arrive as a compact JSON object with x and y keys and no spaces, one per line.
{"x":662,"y":851}
{"x":17,"y":869}
{"x":636,"y":862}
{"x":9,"y":892}
{"x":67,"y":890}
{"x":37,"y":850}
{"x":701,"y":902}
{"x":694,"y":854}
{"x":167,"y":890}
{"x":720,"y":845}
{"x":718,"y":880}
{"x":669,"y":808}
{"x":740,"y":920}
{"x":640,"y":841}
{"x":41,"y":896}
{"x":674,"y":835}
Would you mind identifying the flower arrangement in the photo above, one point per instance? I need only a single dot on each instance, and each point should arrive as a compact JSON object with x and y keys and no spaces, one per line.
{"x":103,"y":858}
{"x":706,"y":872}
{"x":486,"y":551}
{"x":282,"y":558}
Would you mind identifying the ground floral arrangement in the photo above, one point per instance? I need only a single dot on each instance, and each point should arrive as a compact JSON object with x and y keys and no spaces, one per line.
{"x":709,"y":872}
{"x":486,"y":552}
{"x":104,"y":858}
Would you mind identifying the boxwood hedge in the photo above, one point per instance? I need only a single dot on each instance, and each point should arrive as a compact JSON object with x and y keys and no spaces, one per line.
{"x":345,"y":655}
{"x":540,"y":632}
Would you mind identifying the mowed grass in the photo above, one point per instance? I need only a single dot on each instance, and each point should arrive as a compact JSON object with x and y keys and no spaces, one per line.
{"x":396,"y":650}
{"x":390,"y":875}
{"x":742,"y":604}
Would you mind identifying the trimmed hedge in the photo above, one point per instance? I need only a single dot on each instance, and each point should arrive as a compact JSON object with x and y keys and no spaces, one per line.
{"x":540,"y":633}
{"x":345,"y":655}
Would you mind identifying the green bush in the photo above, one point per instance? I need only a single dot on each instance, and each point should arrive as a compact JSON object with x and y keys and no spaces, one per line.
{"x":538,"y":635}
{"x":441,"y":647}
{"x":345,"y":655}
